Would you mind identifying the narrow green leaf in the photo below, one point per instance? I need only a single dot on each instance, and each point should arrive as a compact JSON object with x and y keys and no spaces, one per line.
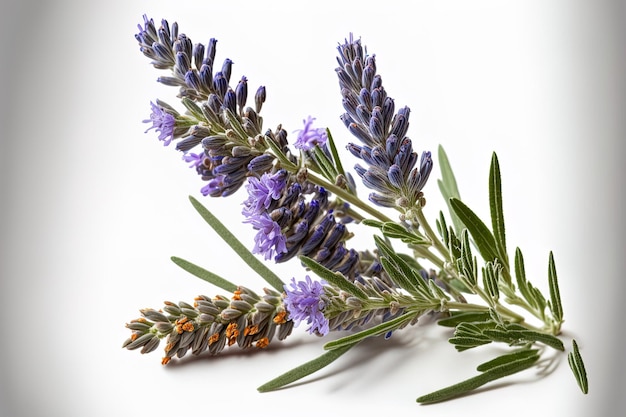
{"x":483,"y":238}
{"x":470,"y":384}
{"x":462,"y":343}
{"x":305,"y":369}
{"x":466,"y":263}
{"x":407,"y":277}
{"x":193,"y":108}
{"x":325,"y":164}
{"x":507,"y":358}
{"x":448,"y":187}
{"x":491,"y":276}
{"x":463,"y":317}
{"x":497,"y":212}
{"x":516,"y":335}
{"x":397,"y":231}
{"x":555,"y":294}
{"x":333,"y":151}
{"x":400,"y":279}
{"x":280,"y":155}
{"x":377,"y":330}
{"x":442,"y":228}
{"x":333,"y":277}
{"x":578,"y":367}
{"x":520,"y":276}
{"x":204,"y":274}
{"x":373,"y":223}
{"x":252,"y":261}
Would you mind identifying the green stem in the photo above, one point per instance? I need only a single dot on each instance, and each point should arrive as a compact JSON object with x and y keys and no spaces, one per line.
{"x":421,"y":219}
{"x":346,"y":196}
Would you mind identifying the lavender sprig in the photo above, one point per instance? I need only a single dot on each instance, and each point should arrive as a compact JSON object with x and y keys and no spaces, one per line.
{"x":301,"y":203}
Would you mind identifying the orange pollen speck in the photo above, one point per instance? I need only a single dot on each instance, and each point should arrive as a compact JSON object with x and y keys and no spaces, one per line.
{"x":237,"y":295}
{"x":231,"y":330}
{"x":214,"y":338}
{"x":133,"y":336}
{"x":250,"y":330}
{"x":169,"y":346}
{"x":188,"y":327}
{"x":262,"y":343}
{"x":165,"y":360}
{"x":280,"y":317}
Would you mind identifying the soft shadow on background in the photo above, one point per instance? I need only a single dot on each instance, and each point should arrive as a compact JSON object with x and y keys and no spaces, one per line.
{"x":91,"y":208}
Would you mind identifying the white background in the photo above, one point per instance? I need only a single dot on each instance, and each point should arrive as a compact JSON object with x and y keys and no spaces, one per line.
{"x":92,"y":208}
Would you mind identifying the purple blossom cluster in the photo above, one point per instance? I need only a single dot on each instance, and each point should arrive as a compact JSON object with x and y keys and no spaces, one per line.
{"x":218,"y":120}
{"x":309,"y":136}
{"x":306,"y":301}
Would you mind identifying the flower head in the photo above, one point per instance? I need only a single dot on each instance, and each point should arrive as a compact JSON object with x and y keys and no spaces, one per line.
{"x":269,"y":239}
{"x":262,"y":191}
{"x":305,"y":300}
{"x":162,"y":122}
{"x":310,"y":136}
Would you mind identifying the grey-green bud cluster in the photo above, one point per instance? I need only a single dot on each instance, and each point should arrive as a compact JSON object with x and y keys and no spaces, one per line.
{"x":211,"y":324}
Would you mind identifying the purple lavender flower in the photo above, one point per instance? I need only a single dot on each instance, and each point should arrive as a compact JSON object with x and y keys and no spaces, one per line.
{"x":305,"y":300}
{"x":269,"y":240}
{"x":262,"y":191}
{"x":214,"y":186}
{"x":310,"y":136}
{"x":162,"y":122}
{"x":195,"y":159}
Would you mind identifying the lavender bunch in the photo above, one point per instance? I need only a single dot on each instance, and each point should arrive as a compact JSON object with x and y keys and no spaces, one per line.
{"x":301,"y":203}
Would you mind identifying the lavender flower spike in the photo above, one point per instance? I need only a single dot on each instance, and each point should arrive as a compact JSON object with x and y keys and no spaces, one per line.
{"x":371,"y":117}
{"x":306,"y":300}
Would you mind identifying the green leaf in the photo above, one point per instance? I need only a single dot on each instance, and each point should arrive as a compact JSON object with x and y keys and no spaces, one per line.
{"x":333,"y":151}
{"x":377,"y":330}
{"x":507,"y":358}
{"x":400,"y":271}
{"x":463,"y":317}
{"x":204,"y":274}
{"x":578,"y":367}
{"x":399,"y":278}
{"x":304,"y":369}
{"x":325,"y":164}
{"x":483,"y":238}
{"x":470,"y":384}
{"x":335,"y":278}
{"x":462,"y":343}
{"x":397,"y":231}
{"x":491,"y":277}
{"x":497,"y":213}
{"x":522,"y":335}
{"x":530,"y":293}
{"x":466,"y":263}
{"x":448,"y":187}
{"x":555,"y":295}
{"x":193,"y":108}
{"x":238,"y":247}
{"x":290,"y":166}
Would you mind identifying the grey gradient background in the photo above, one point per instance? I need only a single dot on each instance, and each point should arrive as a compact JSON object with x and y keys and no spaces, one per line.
{"x":91,"y":209}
